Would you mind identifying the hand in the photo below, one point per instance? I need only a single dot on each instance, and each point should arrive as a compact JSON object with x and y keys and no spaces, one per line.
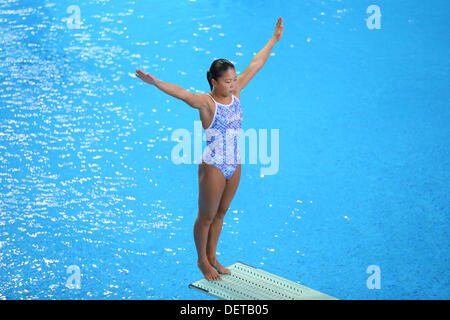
{"x":148,"y":78}
{"x":278,"y":29}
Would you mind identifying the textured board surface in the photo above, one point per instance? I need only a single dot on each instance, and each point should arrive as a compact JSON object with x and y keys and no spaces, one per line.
{"x":249,"y":283}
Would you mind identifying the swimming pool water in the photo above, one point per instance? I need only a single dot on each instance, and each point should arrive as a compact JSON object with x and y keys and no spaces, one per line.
{"x":86,"y":173}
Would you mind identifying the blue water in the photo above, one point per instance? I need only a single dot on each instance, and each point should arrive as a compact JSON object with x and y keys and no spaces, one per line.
{"x":86,"y":173}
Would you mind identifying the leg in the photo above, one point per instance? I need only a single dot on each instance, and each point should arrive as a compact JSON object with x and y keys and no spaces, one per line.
{"x":211,"y":185}
{"x":216,"y":226}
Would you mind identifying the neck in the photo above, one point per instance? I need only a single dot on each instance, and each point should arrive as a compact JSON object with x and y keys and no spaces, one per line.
{"x":218,"y":95}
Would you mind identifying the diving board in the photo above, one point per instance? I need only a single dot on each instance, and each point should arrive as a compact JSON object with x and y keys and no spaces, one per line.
{"x":249,"y":283}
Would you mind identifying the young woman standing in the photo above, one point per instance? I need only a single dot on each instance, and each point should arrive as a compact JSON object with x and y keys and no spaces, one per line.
{"x":220,"y":169}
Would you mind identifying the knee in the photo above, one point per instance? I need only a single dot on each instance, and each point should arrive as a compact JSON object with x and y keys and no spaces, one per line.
{"x":221,"y":213}
{"x":205,"y":218}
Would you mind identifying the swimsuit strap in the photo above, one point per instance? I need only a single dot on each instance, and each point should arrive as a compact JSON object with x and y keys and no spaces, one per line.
{"x":211,"y":97}
{"x":232,"y":100}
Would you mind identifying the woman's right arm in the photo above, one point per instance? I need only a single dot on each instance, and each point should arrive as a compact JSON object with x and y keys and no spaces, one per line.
{"x":196,"y":101}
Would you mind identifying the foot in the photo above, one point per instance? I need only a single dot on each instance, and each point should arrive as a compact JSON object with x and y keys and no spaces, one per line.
{"x":218,"y":266}
{"x":208,"y":271}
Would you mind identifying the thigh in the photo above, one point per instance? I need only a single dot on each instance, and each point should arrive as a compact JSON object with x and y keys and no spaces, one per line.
{"x":211,"y":186}
{"x":230,"y":190}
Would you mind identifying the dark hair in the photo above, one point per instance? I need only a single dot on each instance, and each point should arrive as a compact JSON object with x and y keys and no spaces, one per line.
{"x":218,"y":67}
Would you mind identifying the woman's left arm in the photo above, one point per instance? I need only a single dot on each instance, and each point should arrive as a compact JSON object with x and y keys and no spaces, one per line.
{"x":260,"y":59}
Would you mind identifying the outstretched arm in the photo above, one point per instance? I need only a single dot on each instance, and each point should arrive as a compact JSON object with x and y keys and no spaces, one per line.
{"x":197,"y":101}
{"x":260,"y":59}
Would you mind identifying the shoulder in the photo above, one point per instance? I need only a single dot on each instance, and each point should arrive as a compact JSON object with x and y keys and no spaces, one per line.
{"x":236,"y":95}
{"x":209,"y":101}
{"x":208,"y":104}
{"x":199,"y":100}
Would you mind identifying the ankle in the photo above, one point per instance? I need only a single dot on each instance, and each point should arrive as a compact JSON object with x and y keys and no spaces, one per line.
{"x":203,"y":261}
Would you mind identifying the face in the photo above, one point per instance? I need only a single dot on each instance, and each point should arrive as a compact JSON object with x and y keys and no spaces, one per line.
{"x":226,"y":84}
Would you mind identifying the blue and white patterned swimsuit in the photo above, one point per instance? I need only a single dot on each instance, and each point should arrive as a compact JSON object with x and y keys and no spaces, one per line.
{"x":222,"y":137}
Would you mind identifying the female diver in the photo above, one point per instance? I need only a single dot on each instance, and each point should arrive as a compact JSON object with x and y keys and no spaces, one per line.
{"x":220,"y":168}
